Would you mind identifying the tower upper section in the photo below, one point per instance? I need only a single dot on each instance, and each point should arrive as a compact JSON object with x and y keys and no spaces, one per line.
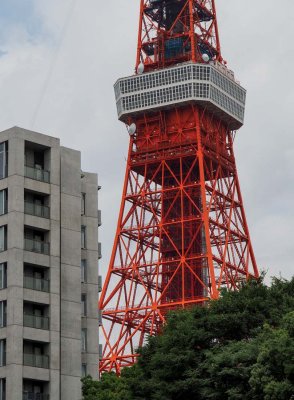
{"x":178,"y":63}
{"x":176,"y":31}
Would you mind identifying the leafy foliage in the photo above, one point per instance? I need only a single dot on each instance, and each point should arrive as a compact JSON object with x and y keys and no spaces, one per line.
{"x":109,"y":388}
{"x":240,"y":347}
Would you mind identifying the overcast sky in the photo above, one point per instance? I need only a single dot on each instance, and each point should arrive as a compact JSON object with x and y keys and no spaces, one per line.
{"x":59,"y":60}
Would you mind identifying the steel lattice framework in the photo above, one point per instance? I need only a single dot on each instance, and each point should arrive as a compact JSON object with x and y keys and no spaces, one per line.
{"x":191,"y":22}
{"x":182,"y":233}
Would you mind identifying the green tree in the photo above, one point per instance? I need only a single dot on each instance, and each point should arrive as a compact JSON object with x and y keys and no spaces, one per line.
{"x":110,"y":387}
{"x":238,"y":347}
{"x":272,"y":376}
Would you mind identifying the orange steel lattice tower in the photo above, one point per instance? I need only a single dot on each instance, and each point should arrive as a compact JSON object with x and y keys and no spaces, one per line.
{"x":182,"y":234}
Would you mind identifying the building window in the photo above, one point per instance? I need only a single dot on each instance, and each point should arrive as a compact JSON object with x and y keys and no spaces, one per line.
{"x":99,"y":250}
{"x":99,"y":317}
{"x":84,"y":340}
{"x":3,"y":276}
{"x":84,"y":371}
{"x":83,"y":205}
{"x":3,"y":238}
{"x":2,"y":352}
{"x":2,"y":389}
{"x":83,"y":270}
{"x":3,"y":159}
{"x":3,"y":313}
{"x":100,"y":283}
{"x":84,"y":305}
{"x":3,"y":201}
{"x":83,"y":237}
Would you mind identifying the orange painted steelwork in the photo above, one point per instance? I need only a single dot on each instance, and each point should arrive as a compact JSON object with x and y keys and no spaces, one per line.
{"x":182,"y":233}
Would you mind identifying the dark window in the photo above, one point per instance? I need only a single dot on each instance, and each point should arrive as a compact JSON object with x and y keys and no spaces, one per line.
{"x":3,"y":159}
{"x":3,"y":201}
{"x":3,"y":238}
{"x":84,"y":370}
{"x":2,"y":353}
{"x":83,"y":204}
{"x":3,"y":275}
{"x":84,"y":305}
{"x":83,"y":270}
{"x":84,"y":340}
{"x":2,"y":389}
{"x":83,"y":237}
{"x":3,"y":308}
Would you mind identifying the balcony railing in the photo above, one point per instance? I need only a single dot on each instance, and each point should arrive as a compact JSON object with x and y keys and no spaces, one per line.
{"x":36,"y":321}
{"x":38,"y":361}
{"x":36,"y":283}
{"x":36,"y":209}
{"x":34,"y":396}
{"x":36,"y":246}
{"x":37,"y":174}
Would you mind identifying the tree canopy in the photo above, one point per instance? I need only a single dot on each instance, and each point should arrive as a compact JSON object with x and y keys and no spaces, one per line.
{"x":239,"y":347}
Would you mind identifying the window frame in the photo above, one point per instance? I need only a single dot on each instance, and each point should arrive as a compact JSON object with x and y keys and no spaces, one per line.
{"x":84,"y":370}
{"x":2,"y":388}
{"x":84,"y":305}
{"x":2,"y":352}
{"x":84,"y":340}
{"x":4,"y":166}
{"x":4,"y":208}
{"x":3,"y":313}
{"x":83,"y":204}
{"x":83,"y":270}
{"x":3,"y":275}
{"x":83,"y":237}
{"x":3,"y":231}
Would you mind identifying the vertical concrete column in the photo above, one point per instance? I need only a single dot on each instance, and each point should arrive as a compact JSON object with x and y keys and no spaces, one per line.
{"x":14,"y":259}
{"x":90,"y":287}
{"x":70,"y":275}
{"x":53,"y":163}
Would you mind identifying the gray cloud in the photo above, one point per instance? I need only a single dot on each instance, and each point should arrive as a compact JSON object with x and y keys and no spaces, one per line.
{"x":98,"y":46}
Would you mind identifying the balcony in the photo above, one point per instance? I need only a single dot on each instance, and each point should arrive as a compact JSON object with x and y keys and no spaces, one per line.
{"x":34,"y":396}
{"x":36,"y":246}
{"x":37,"y":361}
{"x":37,"y":210}
{"x":37,"y":174}
{"x":36,"y":321}
{"x":39,"y":284}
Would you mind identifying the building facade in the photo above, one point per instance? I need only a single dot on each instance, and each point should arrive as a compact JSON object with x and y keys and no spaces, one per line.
{"x":49,"y":282}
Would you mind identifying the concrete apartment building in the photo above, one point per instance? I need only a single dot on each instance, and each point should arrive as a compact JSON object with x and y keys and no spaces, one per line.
{"x":49,"y":255}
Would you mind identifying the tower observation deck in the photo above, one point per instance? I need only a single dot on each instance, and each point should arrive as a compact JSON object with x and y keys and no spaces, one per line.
{"x":182,"y":233}
{"x":212,"y":86}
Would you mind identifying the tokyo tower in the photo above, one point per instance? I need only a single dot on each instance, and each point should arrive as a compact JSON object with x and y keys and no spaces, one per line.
{"x":182,"y":234}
